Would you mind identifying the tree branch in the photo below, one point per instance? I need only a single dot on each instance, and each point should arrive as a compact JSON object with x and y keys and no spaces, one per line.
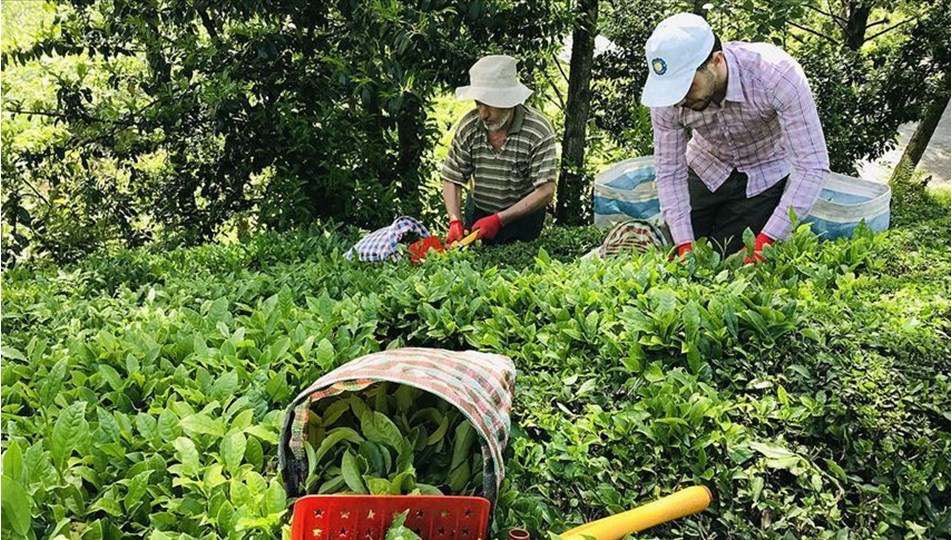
{"x":804,"y":28}
{"x":830,"y":14}
{"x":814,"y":32}
{"x":796,"y":38}
{"x":890,"y":29}
{"x":558,"y":64}
{"x":838,"y":19}
{"x":120,"y":122}
{"x":208,"y":24}
{"x":34,"y":190}
{"x":555,"y":91}
{"x":37,"y":113}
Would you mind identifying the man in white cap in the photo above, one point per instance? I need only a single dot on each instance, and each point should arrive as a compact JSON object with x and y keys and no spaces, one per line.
{"x":753,"y":121}
{"x":507,"y":149}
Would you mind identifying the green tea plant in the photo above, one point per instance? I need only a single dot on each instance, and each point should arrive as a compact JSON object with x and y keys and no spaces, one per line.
{"x":404,"y":442}
{"x":143,"y":392}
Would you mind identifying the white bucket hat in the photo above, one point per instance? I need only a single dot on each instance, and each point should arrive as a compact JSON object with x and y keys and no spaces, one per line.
{"x":676,"y":48}
{"x":493,"y":81}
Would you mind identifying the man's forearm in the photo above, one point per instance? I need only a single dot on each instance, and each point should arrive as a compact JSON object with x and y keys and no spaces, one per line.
{"x":801,"y":195}
{"x":676,"y":210}
{"x":452,"y":198}
{"x":532,"y":202}
{"x":671,"y":170}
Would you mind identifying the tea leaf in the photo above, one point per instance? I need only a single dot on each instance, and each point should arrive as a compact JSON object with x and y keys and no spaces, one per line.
{"x":70,"y":433}
{"x":352,"y":474}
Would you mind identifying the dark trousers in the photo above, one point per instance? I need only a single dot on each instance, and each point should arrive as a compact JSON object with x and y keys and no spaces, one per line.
{"x":723,"y":215}
{"x":524,"y":229}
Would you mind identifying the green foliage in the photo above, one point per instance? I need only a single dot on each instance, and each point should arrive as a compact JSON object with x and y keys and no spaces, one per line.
{"x":397,"y":530}
{"x":559,"y":243}
{"x":914,"y":205}
{"x":618,"y":75}
{"x":143,"y":393}
{"x":180,"y":120}
{"x":864,"y":96}
{"x":391,"y":440}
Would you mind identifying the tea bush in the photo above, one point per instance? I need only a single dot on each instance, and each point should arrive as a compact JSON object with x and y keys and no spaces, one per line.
{"x":143,"y":392}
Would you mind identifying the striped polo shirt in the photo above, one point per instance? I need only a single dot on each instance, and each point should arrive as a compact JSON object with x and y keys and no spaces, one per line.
{"x":525,"y":161}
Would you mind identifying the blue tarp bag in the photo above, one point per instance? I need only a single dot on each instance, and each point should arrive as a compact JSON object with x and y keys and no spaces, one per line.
{"x":627,"y":190}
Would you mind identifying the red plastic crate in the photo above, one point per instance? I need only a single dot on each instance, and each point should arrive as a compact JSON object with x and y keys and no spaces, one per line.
{"x":367,"y":517}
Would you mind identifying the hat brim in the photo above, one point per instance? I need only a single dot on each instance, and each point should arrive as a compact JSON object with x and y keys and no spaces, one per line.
{"x":666,"y":92}
{"x":502,"y":98}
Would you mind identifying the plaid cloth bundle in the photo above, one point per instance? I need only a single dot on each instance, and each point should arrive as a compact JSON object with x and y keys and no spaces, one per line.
{"x":381,"y":245}
{"x":479,"y":384}
{"x":633,"y":234}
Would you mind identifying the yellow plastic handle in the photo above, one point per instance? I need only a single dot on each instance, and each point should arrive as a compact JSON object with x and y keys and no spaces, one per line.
{"x":463,"y":242}
{"x":679,"y":504}
{"x":469,"y":239}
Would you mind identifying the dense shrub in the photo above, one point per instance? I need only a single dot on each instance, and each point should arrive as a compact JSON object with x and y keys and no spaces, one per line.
{"x":811,"y":392}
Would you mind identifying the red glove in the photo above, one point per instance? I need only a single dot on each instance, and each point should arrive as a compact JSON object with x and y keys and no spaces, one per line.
{"x":419,"y":249}
{"x":685,"y":248}
{"x":456,"y":231}
{"x":488,"y":227}
{"x":759,"y":243}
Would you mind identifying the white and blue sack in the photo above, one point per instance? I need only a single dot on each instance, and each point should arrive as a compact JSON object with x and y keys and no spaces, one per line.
{"x":627,"y":190}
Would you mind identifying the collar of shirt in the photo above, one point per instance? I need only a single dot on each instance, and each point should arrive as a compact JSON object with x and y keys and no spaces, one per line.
{"x":518,"y":116}
{"x":735,"y":83}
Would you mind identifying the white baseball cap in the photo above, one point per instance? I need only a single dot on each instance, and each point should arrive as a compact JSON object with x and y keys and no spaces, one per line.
{"x":676,"y":48}
{"x":493,"y":81}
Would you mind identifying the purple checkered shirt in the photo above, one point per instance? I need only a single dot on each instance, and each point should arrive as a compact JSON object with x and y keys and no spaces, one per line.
{"x":381,"y":245}
{"x":766,"y":126}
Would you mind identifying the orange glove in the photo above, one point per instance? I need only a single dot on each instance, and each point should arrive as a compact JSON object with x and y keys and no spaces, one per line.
{"x":685,"y":248}
{"x":456,"y":231}
{"x":759,"y":243}
{"x":488,"y":227}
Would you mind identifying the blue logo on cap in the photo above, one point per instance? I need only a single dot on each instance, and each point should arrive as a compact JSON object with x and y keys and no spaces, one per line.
{"x":659,"y":67}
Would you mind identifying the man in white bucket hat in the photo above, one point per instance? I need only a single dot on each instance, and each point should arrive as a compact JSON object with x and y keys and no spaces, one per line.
{"x":507,"y":150}
{"x":753,"y":121}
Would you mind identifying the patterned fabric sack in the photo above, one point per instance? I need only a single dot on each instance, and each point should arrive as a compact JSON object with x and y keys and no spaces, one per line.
{"x":632,"y":235}
{"x":480,"y":385}
{"x":382,"y":244}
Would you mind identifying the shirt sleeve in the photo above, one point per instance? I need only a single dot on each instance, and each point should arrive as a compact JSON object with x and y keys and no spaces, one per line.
{"x":543,"y":165}
{"x":458,"y":166}
{"x":803,"y":135}
{"x":671,"y":173}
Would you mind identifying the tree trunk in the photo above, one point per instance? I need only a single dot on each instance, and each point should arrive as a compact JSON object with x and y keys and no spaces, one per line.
{"x":574,"y":196}
{"x":855,"y":29}
{"x":699,"y":7}
{"x":412,"y":145}
{"x":923,"y":134}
